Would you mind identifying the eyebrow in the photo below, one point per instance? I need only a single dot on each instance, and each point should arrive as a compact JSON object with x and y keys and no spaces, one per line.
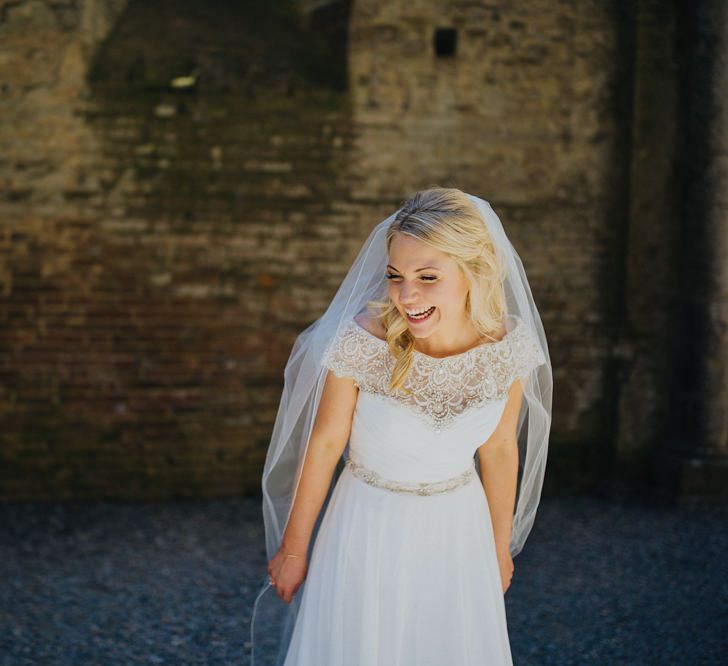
{"x":424,"y":268}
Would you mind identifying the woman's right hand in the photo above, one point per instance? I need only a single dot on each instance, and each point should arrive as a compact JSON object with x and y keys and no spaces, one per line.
{"x":287,"y":573}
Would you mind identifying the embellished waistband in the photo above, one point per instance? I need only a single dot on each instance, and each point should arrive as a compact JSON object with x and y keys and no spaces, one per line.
{"x":374,"y":479}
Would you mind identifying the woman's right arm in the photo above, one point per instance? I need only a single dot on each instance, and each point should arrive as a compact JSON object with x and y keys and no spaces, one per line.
{"x":329,"y":436}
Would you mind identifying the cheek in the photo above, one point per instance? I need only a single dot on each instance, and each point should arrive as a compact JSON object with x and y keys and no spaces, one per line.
{"x":439,"y":293}
{"x":442,"y":294}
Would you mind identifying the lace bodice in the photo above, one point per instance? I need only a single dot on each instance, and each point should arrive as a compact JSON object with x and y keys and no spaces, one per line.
{"x":442,"y":388}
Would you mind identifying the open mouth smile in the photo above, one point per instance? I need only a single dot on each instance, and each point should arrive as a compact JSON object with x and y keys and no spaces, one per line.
{"x":419,"y":314}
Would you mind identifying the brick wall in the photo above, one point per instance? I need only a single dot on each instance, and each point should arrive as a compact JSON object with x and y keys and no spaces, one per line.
{"x":162,"y":246}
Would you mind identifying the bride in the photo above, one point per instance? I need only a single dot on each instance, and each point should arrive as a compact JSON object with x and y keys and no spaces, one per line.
{"x":425,"y":376}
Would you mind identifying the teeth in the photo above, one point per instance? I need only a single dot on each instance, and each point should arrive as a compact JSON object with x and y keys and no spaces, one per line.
{"x":417,"y":312}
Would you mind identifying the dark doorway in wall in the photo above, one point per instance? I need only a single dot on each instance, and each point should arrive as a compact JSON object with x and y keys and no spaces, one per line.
{"x":445,"y":42}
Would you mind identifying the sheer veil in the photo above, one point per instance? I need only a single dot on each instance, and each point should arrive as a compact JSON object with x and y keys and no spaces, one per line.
{"x":304,"y":375}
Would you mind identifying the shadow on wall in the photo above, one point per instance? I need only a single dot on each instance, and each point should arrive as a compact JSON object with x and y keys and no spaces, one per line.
{"x":224,"y":46}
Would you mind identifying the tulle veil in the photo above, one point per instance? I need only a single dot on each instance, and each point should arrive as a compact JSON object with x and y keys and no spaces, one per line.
{"x":272,"y":619}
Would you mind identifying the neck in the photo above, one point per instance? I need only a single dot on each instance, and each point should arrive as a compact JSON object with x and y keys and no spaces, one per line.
{"x":457,"y":338}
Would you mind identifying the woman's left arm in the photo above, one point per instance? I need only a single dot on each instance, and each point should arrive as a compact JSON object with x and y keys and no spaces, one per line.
{"x":498,"y":462}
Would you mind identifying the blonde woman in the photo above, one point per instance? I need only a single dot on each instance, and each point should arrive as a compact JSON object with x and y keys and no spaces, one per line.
{"x":429,"y":378}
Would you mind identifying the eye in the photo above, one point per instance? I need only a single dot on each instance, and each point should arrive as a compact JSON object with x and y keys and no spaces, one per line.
{"x":426,"y":278}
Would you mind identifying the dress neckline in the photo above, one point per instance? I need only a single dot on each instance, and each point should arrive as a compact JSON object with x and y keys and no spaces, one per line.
{"x":482,"y":346}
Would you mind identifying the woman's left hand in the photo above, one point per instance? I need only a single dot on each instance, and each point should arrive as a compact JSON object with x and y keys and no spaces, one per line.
{"x":505,"y":564}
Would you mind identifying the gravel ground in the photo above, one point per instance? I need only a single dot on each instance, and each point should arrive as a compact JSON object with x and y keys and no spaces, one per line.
{"x":174,"y":583}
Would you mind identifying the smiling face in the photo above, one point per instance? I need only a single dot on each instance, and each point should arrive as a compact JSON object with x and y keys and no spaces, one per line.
{"x":420,"y":278}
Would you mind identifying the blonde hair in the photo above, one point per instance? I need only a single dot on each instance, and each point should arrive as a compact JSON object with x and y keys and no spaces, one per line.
{"x":447,"y":220}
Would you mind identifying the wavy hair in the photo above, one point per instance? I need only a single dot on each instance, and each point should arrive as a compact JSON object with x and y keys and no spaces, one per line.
{"x":447,"y":220}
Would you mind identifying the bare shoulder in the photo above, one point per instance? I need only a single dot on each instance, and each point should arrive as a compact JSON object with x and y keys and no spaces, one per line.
{"x":371,"y":324}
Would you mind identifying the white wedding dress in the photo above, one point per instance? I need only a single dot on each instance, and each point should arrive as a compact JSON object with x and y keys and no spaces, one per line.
{"x":400,"y":576}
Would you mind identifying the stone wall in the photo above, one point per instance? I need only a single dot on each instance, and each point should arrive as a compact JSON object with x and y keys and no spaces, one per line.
{"x":529,"y":113}
{"x":184,"y":184}
{"x":161,"y":249}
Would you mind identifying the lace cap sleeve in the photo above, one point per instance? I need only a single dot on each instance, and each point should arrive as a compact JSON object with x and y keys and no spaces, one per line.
{"x":343,"y":356}
{"x":527,"y":353}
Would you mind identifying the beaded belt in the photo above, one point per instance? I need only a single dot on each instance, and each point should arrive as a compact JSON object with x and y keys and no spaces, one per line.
{"x":373,"y":479}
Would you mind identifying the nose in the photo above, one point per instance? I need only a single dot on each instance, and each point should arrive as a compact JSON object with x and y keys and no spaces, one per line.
{"x":408,"y":295}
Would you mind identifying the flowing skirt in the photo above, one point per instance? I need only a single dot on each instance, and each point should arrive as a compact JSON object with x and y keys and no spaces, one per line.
{"x":402,"y":580}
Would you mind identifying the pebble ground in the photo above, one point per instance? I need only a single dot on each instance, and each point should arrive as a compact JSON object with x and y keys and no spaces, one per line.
{"x":103,"y":583}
